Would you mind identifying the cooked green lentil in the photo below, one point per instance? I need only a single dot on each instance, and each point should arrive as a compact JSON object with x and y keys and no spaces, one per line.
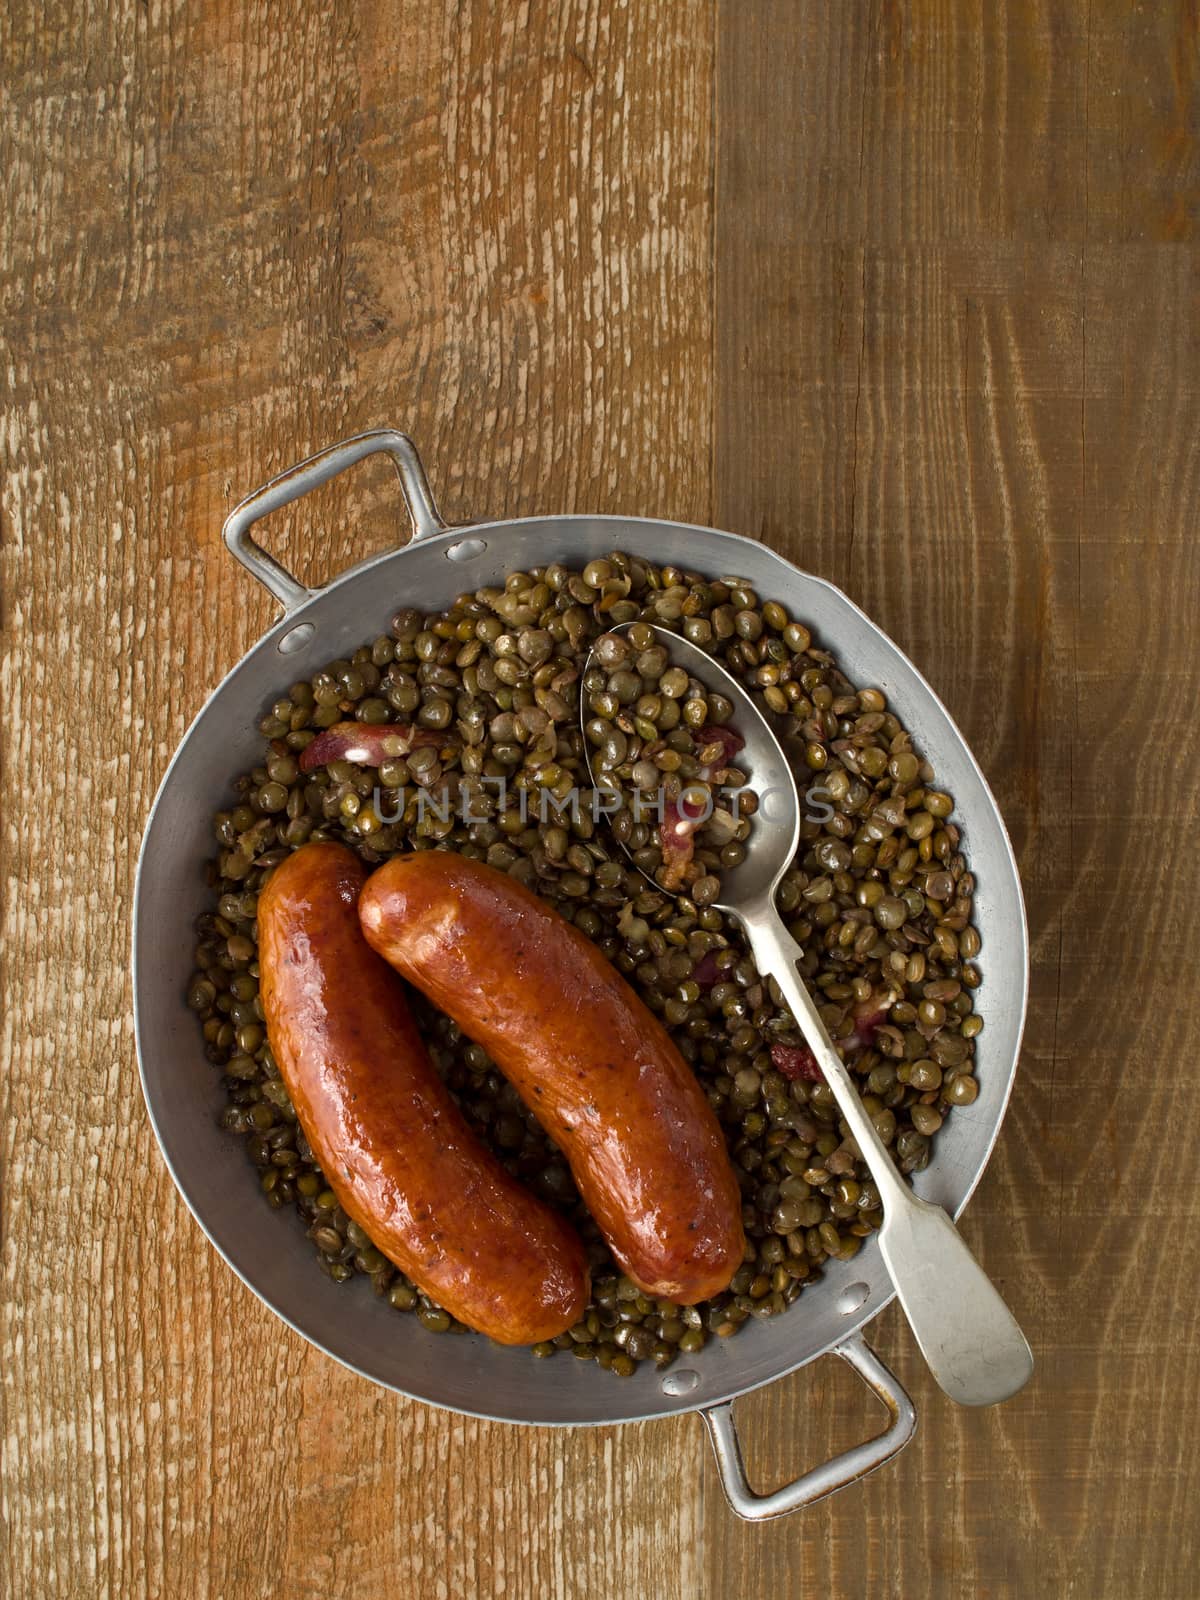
{"x":879,"y":898}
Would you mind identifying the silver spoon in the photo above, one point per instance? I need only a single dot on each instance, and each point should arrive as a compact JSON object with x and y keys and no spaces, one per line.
{"x":967,"y":1334}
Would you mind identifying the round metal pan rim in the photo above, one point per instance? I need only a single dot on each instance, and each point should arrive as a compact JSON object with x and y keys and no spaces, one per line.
{"x":725,"y":1360}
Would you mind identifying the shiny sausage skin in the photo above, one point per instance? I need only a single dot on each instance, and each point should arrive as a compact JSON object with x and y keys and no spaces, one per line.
{"x":392,"y":1144}
{"x":583,"y":1052}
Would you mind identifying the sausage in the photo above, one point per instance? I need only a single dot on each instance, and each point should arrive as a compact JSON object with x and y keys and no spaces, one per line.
{"x":583,"y":1052}
{"x":395,"y":1149}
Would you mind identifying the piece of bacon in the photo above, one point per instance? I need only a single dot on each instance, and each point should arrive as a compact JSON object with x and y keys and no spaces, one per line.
{"x":728,"y":738}
{"x":706,"y":972}
{"x":675,"y":835}
{"x":798,"y":1061}
{"x":868,"y":1015}
{"x":367,"y":744}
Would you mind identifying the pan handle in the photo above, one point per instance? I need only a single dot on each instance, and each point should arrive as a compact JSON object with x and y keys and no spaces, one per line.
{"x":830,"y":1476}
{"x":310,"y":474}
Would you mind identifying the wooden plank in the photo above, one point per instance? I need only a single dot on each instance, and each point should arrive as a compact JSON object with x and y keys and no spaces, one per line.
{"x":231,"y":239}
{"x":957,"y":350}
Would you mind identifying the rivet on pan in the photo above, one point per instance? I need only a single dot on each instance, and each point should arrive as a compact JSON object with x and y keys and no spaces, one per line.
{"x":681,"y":1382}
{"x":851,"y":1297}
{"x":295,"y":638}
{"x":466,"y":550}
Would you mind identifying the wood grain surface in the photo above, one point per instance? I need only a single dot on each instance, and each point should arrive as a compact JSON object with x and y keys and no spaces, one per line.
{"x":910,"y":291}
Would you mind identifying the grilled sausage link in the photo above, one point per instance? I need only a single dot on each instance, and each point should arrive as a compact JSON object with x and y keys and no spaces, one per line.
{"x":583,"y":1052}
{"x":393,"y":1146}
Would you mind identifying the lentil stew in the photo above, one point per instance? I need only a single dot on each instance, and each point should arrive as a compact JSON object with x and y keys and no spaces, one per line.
{"x":460,"y":730}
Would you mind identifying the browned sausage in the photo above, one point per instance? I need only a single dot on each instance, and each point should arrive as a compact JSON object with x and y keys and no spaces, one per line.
{"x":392,"y":1144}
{"x":596,"y":1067}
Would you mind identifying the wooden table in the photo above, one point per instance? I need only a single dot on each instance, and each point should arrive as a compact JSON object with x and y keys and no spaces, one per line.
{"x":908,"y":291}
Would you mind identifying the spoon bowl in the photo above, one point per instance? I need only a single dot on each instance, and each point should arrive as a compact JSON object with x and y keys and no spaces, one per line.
{"x":775,"y":827}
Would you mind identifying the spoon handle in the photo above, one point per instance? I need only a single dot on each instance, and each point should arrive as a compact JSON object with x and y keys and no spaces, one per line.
{"x":968,"y":1336}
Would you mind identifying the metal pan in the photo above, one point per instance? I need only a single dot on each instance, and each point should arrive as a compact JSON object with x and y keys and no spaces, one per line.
{"x":184,"y":1096}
